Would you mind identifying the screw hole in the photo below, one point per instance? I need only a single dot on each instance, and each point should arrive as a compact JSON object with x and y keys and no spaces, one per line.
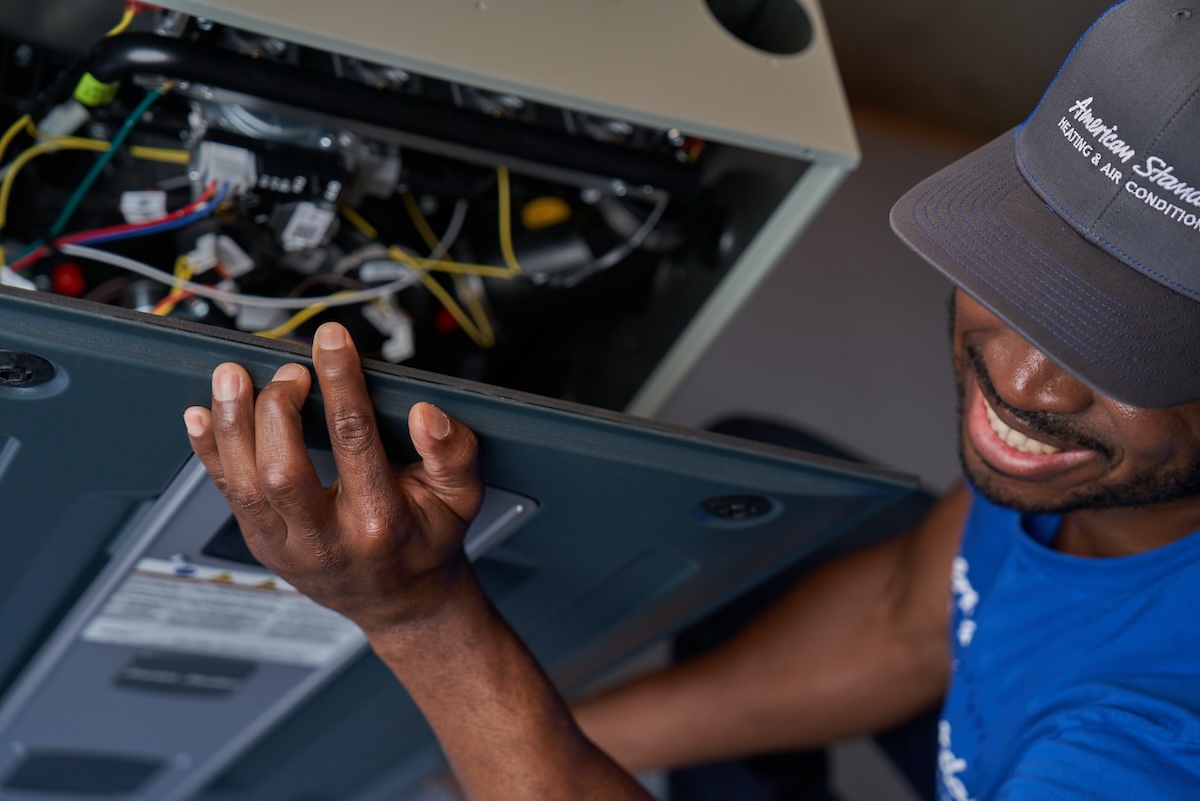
{"x":14,"y":375}
{"x":1183,"y":13}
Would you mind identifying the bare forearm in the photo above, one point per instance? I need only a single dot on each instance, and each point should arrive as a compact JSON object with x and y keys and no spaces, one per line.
{"x":501,"y":724}
{"x":858,"y":646}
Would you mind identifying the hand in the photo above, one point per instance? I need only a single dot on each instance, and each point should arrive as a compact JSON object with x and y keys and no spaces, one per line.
{"x":383,"y":548}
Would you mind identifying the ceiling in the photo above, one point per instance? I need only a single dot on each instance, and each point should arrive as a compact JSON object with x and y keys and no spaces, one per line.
{"x":971,"y":66}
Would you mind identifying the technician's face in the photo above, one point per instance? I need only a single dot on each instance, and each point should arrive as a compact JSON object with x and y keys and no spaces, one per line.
{"x":1036,"y":439}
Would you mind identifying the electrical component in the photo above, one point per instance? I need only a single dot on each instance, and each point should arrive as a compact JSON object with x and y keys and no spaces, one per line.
{"x":226,"y":164}
{"x":299,"y":182}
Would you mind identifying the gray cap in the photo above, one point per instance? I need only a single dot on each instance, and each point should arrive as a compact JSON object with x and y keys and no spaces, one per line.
{"x":1081,"y":228}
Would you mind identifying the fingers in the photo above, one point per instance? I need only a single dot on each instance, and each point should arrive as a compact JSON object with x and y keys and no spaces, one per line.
{"x":224,"y":441}
{"x":448,"y":450}
{"x":288,"y":479}
{"x":364,"y":474}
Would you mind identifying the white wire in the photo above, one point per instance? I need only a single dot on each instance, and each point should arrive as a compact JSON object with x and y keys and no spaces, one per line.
{"x":212,"y":293}
{"x":619,"y":252}
{"x":452,"y":231}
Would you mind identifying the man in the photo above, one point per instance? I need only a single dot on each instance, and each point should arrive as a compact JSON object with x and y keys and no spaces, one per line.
{"x":1052,"y":599}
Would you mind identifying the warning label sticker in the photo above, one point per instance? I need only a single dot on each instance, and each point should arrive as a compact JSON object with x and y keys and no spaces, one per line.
{"x":229,"y":613}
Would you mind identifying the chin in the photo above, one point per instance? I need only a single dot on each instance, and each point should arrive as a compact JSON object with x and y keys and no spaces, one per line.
{"x":1028,"y":497}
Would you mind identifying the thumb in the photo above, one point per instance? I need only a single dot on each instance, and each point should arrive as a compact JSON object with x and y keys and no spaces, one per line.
{"x":448,"y":451}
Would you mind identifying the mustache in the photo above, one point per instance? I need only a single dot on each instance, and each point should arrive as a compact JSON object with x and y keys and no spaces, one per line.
{"x":1051,"y":424}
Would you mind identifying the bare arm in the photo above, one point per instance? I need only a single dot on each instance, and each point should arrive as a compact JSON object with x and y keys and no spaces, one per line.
{"x":385,"y":550}
{"x":855,"y":648}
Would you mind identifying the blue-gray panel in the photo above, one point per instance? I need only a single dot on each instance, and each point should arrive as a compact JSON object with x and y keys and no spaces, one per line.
{"x":619,"y":553}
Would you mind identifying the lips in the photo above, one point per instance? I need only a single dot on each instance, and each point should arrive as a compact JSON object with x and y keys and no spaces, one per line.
{"x":1016,"y":453}
{"x":1013,"y":438}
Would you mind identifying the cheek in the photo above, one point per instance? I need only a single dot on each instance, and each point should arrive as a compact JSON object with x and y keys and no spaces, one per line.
{"x":1159,"y":436}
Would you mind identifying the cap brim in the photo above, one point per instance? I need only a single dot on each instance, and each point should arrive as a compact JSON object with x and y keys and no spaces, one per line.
{"x":1123,"y":334}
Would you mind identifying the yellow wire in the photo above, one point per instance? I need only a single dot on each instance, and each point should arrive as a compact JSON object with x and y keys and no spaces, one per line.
{"x":357,"y":220}
{"x":487,"y":336}
{"x":506,"y":246}
{"x":478,"y":313}
{"x":418,"y":217}
{"x":184,"y":270}
{"x":126,"y":19}
{"x":67,"y":143}
{"x":298,"y":319}
{"x":444,"y":297}
{"x":163,"y":154}
{"x":24,"y":122}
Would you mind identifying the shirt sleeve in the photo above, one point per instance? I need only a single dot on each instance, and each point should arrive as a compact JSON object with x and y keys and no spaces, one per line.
{"x":1101,"y":763}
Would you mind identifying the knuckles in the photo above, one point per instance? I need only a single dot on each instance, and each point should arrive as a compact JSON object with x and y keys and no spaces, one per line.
{"x":353,"y":429}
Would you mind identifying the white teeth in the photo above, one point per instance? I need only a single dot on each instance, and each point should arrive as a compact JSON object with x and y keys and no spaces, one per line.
{"x":1015,"y":439}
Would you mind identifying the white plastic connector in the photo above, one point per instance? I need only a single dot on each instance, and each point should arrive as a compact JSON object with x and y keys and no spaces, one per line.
{"x":143,"y":205}
{"x":401,"y":344}
{"x":226,"y":164}
{"x":233,"y":260}
{"x":63,"y":120}
{"x":230,"y":286}
{"x":203,"y":257}
{"x":10,"y":278}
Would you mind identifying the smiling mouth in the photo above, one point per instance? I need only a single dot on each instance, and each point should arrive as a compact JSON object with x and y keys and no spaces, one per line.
{"x":1015,"y":439}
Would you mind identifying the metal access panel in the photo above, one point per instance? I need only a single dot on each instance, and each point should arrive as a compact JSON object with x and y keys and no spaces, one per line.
{"x":759,"y":80}
{"x":687,"y":142}
{"x":146,"y":656}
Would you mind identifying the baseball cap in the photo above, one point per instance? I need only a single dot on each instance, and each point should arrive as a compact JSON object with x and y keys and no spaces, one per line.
{"x":1081,"y":227}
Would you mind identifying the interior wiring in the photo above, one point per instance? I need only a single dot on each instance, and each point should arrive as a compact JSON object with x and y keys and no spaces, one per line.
{"x":466,"y":287}
{"x":237,"y":298}
{"x":24,"y":158}
{"x":438,"y":247}
{"x":23,"y":123}
{"x":453,"y":229}
{"x":618,"y":253}
{"x":444,"y":266}
{"x":359,"y":222}
{"x":183,"y":271}
{"x":417,"y":262}
{"x":504,"y":190}
{"x":479,"y":337}
{"x":125,"y":21}
{"x":451,"y":305}
{"x":299,"y":318}
{"x":199,"y":208}
{"x":105,"y":157}
{"x":481,"y":332}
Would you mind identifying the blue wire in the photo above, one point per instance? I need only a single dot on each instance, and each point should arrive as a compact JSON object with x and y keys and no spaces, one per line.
{"x":170,"y":225}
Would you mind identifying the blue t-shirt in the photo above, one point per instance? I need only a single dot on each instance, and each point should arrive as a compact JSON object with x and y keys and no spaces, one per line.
{"x":1074,"y":679}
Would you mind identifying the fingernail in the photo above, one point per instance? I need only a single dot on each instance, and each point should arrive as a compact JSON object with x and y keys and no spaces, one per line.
{"x":435,"y":421}
{"x":194,"y":422}
{"x":226,"y":384}
{"x":331,"y":336}
{"x":289,"y":372}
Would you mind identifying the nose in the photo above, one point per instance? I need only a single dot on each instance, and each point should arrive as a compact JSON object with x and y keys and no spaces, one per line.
{"x":1028,"y":379}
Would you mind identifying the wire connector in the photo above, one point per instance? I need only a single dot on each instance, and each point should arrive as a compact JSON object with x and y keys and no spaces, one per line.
{"x":10,"y":278}
{"x":389,"y":320}
{"x":226,"y":164}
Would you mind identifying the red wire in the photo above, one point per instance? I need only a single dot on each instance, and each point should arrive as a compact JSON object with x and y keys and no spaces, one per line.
{"x":83,"y":236}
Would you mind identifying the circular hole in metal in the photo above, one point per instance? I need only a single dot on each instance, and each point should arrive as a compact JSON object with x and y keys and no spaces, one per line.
{"x":736,"y":510}
{"x":1183,"y":13}
{"x":20,"y":369}
{"x":774,"y":26}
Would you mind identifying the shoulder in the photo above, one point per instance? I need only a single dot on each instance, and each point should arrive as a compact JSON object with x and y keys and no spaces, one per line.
{"x":1110,"y":756}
